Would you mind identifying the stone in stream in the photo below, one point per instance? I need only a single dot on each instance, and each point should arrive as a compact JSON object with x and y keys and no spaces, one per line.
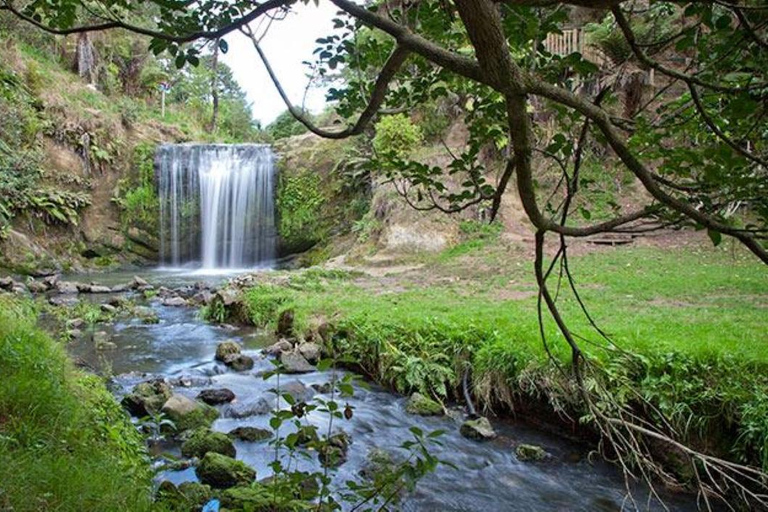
{"x":119,"y":288}
{"x":334,"y":452}
{"x":378,"y":462}
{"x":278,"y":348}
{"x":108,"y":308}
{"x":250,"y":434}
{"x":295,"y":363}
{"x":67,"y":287}
{"x":239,"y":362}
{"x":137,"y":283}
{"x":216,"y":396}
{"x":423,"y":406}
{"x":187,"y":496}
{"x":205,"y":440}
{"x":298,"y":391}
{"x":75,"y":323}
{"x":188,"y":414}
{"x":175,"y":301}
{"x":147,"y":398}
{"x":311,"y":352}
{"x":324,"y":389}
{"x":37,"y":286}
{"x":95,"y":288}
{"x":257,"y":407}
{"x":479,"y":429}
{"x":146,"y":314}
{"x":50,"y":281}
{"x":63,"y":300}
{"x":222,"y":472}
{"x":226,"y":348}
{"x":531,"y":453}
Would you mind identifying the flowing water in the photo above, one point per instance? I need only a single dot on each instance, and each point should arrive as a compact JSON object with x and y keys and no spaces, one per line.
{"x":216,"y":205}
{"x":487,"y":476}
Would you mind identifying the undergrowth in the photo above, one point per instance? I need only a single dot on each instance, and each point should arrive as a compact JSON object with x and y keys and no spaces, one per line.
{"x":65,"y":444}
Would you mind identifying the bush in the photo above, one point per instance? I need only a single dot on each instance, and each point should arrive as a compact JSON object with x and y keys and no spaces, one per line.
{"x":299,"y":203}
{"x":396,"y":137}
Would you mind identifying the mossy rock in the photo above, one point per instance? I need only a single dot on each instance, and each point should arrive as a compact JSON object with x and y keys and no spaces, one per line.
{"x":188,"y":414}
{"x":225,"y":349}
{"x":423,"y":406}
{"x":187,"y":496}
{"x":255,"y":498}
{"x":479,"y":429}
{"x":222,"y":472}
{"x":204,"y":440}
{"x":147,"y":398}
{"x":530,"y":453}
{"x":250,"y":434}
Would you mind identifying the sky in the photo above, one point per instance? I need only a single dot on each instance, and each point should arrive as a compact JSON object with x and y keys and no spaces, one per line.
{"x":288,"y":43}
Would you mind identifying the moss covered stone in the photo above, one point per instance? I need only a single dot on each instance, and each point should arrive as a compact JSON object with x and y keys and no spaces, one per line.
{"x":530,"y":453}
{"x":250,"y":434}
{"x":187,"y":414}
{"x":147,"y":397}
{"x":222,"y":472}
{"x":423,"y":406}
{"x":204,"y":440}
{"x":187,"y":496}
{"x":225,"y":349}
{"x":479,"y":429}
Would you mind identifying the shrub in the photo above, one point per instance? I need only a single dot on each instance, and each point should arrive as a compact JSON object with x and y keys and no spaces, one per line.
{"x":396,"y":137}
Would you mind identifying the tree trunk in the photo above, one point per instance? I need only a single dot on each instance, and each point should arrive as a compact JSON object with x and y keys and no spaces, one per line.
{"x":215,"y":86}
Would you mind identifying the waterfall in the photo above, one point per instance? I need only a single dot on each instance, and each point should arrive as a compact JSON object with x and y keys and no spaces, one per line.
{"x":216,"y":205}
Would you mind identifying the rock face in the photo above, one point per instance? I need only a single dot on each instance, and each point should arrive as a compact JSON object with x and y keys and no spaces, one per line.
{"x":204,"y":440}
{"x":188,"y":414}
{"x":530,"y":453}
{"x":225,"y":349}
{"x":295,"y":363}
{"x":479,"y":429}
{"x":423,"y":406}
{"x":147,"y":398}
{"x":250,"y":434}
{"x":216,"y":396}
{"x":222,"y":472}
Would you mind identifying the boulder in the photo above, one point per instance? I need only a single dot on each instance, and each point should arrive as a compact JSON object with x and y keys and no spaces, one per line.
{"x":108,"y":308}
{"x":187,"y":496}
{"x":146,"y":314}
{"x":278,"y":348}
{"x":95,"y":288}
{"x":63,"y":300}
{"x":6,"y":283}
{"x":479,"y":429}
{"x":228,"y":296}
{"x":188,"y":414}
{"x":204,"y":440}
{"x":222,"y":472}
{"x":137,"y":283}
{"x":311,"y":352}
{"x":75,"y":323}
{"x":225,"y":349}
{"x":50,"y":281}
{"x":147,"y":397}
{"x":118,"y":302}
{"x":254,"y":497}
{"x":239,"y":362}
{"x":294,"y":362}
{"x":378,"y":462}
{"x":334,"y":452}
{"x":37,"y":286}
{"x":530,"y":453}
{"x":250,"y":434}
{"x":258,"y":407}
{"x":298,"y":391}
{"x":423,"y":406}
{"x":285,"y":324}
{"x":174,"y":301}
{"x":202,"y":298}
{"x":120,"y":288}
{"x":216,"y":396}
{"x":67,"y":287}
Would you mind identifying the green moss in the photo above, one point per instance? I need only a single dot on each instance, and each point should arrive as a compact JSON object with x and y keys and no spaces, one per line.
{"x":299,"y":204}
{"x":205,"y":440}
{"x":423,"y":406}
{"x":221,"y":472}
{"x":65,"y":444}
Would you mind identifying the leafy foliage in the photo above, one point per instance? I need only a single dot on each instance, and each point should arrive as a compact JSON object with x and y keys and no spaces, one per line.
{"x":299,"y":201}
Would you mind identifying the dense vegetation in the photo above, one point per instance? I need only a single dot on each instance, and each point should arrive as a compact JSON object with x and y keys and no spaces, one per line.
{"x":65,"y":444}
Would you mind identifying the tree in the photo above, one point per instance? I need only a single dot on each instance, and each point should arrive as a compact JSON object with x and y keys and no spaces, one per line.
{"x":697,"y":144}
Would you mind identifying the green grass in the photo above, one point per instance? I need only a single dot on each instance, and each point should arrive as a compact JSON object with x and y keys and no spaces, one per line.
{"x":65,"y":444}
{"x":692,"y":323}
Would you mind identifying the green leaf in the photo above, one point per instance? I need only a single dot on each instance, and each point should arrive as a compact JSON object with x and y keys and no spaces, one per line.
{"x":223,"y":46}
{"x":715,"y":236}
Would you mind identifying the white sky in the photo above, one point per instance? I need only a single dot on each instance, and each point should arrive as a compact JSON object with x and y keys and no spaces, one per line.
{"x":288,"y":43}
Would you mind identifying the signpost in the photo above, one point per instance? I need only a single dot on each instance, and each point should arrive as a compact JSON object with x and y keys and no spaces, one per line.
{"x":164,"y":88}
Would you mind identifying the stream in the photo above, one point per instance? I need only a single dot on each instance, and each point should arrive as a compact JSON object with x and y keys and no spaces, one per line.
{"x":487,"y":475}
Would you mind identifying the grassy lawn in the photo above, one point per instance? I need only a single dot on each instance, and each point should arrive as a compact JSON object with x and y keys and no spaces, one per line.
{"x":690,"y":323}
{"x":65,"y":444}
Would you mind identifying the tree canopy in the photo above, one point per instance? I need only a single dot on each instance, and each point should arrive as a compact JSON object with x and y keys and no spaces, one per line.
{"x":696,"y":140}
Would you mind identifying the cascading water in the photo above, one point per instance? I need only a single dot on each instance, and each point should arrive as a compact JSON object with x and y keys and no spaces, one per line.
{"x":216,"y":205}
